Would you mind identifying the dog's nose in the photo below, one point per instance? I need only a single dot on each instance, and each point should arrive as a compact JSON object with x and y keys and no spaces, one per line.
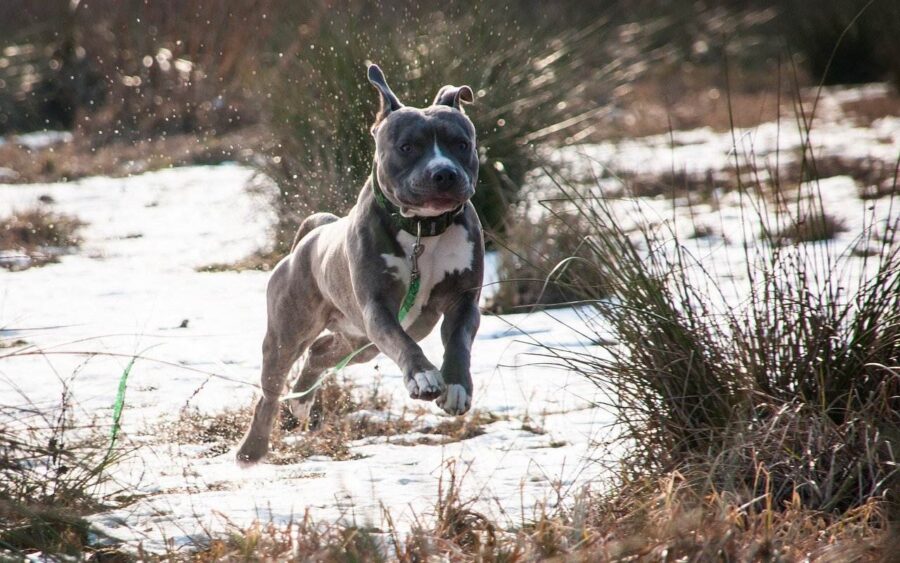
{"x":444,"y":177}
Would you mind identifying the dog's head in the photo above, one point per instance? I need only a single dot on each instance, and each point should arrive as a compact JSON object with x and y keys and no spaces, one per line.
{"x":426,"y":159}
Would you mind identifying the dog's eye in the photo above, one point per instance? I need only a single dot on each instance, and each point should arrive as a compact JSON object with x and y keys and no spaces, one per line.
{"x":405,"y":147}
{"x":463,"y":146}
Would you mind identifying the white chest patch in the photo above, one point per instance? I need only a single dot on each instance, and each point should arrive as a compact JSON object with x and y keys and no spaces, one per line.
{"x":450,"y":252}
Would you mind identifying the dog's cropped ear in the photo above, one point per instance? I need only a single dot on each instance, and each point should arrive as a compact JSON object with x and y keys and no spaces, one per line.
{"x":452,"y":95}
{"x":389,"y":101}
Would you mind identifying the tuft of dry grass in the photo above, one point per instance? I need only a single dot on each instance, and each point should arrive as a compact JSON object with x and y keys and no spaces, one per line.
{"x":339,"y":416}
{"x":36,"y":236}
{"x":261,"y":260}
{"x":218,"y":431}
{"x":815,"y":227}
{"x":788,"y":382}
{"x":459,"y":428}
{"x":875,"y":177}
{"x":673,"y":184}
{"x":78,"y":159}
{"x":866,"y":110}
{"x":51,"y":474}
{"x":672,"y":518}
{"x":302,"y":540}
{"x":529,"y":256}
{"x":342,"y":414}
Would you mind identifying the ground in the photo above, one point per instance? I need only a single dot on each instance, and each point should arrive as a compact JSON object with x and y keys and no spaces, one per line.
{"x":136,"y":289}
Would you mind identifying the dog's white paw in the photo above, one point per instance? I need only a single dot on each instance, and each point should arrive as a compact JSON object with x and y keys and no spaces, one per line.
{"x":425,"y":385}
{"x":455,"y":400}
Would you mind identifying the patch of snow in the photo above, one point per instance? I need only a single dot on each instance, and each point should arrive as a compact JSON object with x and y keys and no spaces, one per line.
{"x":40,"y":139}
{"x":135,"y":281}
{"x":765,"y":146}
{"x":127,"y":292}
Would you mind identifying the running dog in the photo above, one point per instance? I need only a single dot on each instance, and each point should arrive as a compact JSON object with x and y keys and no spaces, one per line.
{"x":412,"y":225}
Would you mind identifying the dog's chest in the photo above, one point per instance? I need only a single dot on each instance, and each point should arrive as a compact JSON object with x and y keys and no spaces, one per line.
{"x":447,"y":254}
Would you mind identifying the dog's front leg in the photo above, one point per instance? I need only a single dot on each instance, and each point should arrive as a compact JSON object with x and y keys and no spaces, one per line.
{"x":458,"y":332}
{"x":423,"y":380}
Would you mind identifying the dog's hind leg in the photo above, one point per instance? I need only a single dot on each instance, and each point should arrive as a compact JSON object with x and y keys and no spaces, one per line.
{"x":293,"y":324}
{"x":278,"y":357}
{"x":325,"y":353}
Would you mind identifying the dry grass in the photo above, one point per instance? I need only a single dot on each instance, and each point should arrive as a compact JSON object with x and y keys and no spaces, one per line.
{"x":670,"y":519}
{"x":37,"y":236}
{"x":335,"y":421}
{"x":798,"y":379}
{"x":261,"y":260}
{"x":339,"y":416}
{"x":674,"y":519}
{"x":675,"y":184}
{"x":303,"y":540}
{"x":219,"y":431}
{"x":529,"y":255}
{"x":685,"y":96}
{"x":342,"y":414}
{"x":449,"y":430}
{"x":50,"y":477}
{"x":814,"y":227}
{"x":78,"y":159}
{"x":875,"y":177}
{"x":865,"y":111}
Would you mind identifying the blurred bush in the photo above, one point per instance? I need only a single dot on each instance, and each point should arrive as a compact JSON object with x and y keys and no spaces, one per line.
{"x":130,"y":69}
{"x":535,"y":258}
{"x":135,"y":70}
{"x":845,"y":41}
{"x":786,"y":388}
{"x":533,"y":79}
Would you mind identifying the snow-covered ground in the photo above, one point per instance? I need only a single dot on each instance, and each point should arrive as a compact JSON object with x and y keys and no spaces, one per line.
{"x":132,"y":285}
{"x":133,"y":289}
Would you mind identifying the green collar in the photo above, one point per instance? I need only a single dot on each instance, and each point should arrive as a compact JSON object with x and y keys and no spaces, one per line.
{"x":431,"y":226}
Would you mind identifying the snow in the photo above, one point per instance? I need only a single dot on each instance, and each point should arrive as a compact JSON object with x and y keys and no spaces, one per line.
{"x":766,"y":145}
{"x":127,"y":292}
{"x":135,"y":281}
{"x":40,"y":139}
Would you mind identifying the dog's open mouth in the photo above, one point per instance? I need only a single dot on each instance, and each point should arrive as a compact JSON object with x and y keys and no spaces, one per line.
{"x":432,"y":206}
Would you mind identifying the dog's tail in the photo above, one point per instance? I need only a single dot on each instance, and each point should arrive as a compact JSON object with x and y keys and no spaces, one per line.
{"x":310,"y":223}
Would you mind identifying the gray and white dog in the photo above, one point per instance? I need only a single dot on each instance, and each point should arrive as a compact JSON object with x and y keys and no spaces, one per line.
{"x":350,"y":275}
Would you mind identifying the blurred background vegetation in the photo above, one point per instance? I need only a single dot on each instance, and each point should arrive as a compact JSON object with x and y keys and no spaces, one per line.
{"x":799,"y":414}
{"x":280,"y":84}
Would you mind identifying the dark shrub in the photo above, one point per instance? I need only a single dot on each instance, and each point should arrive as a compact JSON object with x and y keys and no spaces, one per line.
{"x":845,"y":41}
{"x":532,"y":85}
{"x":131,"y":69}
{"x":792,"y":390}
